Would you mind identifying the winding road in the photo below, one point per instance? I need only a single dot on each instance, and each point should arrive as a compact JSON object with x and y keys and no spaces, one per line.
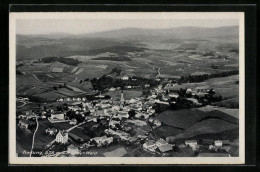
{"x":34,"y":136}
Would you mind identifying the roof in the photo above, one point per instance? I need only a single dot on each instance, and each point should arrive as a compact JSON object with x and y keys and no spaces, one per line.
{"x":165,"y":148}
{"x":57,"y":69}
{"x":116,"y":153}
{"x":63,"y":133}
{"x":161,"y":141}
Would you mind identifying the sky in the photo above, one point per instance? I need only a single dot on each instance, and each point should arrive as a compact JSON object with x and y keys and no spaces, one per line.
{"x":84,"y":26}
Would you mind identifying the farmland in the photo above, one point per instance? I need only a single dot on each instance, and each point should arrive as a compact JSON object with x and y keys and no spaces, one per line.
{"x":187,"y":117}
{"x":189,"y":123}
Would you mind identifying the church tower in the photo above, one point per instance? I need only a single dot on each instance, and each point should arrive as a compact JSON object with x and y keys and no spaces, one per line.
{"x":122,"y":101}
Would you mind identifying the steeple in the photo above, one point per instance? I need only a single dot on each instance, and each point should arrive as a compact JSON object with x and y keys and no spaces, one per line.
{"x":122,"y":101}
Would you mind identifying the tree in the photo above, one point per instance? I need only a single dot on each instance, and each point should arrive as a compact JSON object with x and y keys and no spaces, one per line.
{"x":131,"y":113}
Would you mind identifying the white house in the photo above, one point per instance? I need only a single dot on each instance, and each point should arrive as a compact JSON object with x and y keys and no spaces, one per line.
{"x":125,"y":78}
{"x":175,"y":95}
{"x":112,"y":89}
{"x":73,"y":121}
{"x":218,"y":143}
{"x":57,"y":116}
{"x":62,"y":137}
{"x":157,"y":123}
{"x":147,"y":85}
{"x":101,"y":141}
{"x":60,"y":100}
{"x":191,"y":143}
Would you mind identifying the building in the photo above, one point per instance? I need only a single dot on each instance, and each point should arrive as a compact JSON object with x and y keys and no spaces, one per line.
{"x":174,"y":95}
{"x":62,"y":137}
{"x":57,"y":116}
{"x":125,"y":78}
{"x":51,"y":131}
{"x":161,"y":142}
{"x":122,"y":100}
{"x":73,"y":150}
{"x":218,"y":143}
{"x":31,"y":116}
{"x":27,"y":124}
{"x":101,"y":141}
{"x":157,"y":123}
{"x":191,"y":143}
{"x":147,"y":85}
{"x":73,"y":121}
{"x":112,"y":89}
{"x":165,"y":148}
{"x":150,"y":146}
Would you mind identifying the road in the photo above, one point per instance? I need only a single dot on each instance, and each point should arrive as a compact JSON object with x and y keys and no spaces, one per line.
{"x":34,"y":135}
{"x":68,"y":130}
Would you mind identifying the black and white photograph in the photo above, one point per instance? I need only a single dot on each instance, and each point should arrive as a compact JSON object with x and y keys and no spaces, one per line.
{"x":127,"y":88}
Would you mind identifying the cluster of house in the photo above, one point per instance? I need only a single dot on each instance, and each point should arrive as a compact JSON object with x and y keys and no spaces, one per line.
{"x":69,"y":99}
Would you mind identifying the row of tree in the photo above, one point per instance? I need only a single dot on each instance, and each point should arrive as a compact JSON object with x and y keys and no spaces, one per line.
{"x":201,"y":78}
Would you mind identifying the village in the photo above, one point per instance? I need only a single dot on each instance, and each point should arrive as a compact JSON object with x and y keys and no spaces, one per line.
{"x":130,"y":123}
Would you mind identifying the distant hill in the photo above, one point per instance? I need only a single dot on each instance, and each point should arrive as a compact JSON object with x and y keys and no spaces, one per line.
{"x":179,"y":32}
{"x":63,"y":44}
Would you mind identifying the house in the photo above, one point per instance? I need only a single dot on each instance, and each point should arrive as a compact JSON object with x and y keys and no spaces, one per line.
{"x":173,"y":95}
{"x":147,"y":85}
{"x":188,"y":91}
{"x":27,"y":124}
{"x":150,"y":146}
{"x":165,"y":148}
{"x":191,"y":143}
{"x":157,"y":123}
{"x":62,"y":137}
{"x":115,"y":108}
{"x":73,"y":122}
{"x":57,"y":116}
{"x":67,"y":99}
{"x":60,"y":100}
{"x":51,"y":131}
{"x":101,"y":141}
{"x":161,"y":142}
{"x":112,"y":89}
{"x":125,"y":78}
{"x":31,"y":116}
{"x":218,"y":143}
{"x":72,"y":149}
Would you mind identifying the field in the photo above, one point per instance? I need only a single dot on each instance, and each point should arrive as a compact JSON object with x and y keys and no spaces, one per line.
{"x":166,"y":131}
{"x":128,"y":94}
{"x":229,"y":111}
{"x":230,"y":103}
{"x":23,"y":141}
{"x":187,"y":117}
{"x":207,"y":126}
{"x":190,"y":123}
{"x":227,"y":87}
